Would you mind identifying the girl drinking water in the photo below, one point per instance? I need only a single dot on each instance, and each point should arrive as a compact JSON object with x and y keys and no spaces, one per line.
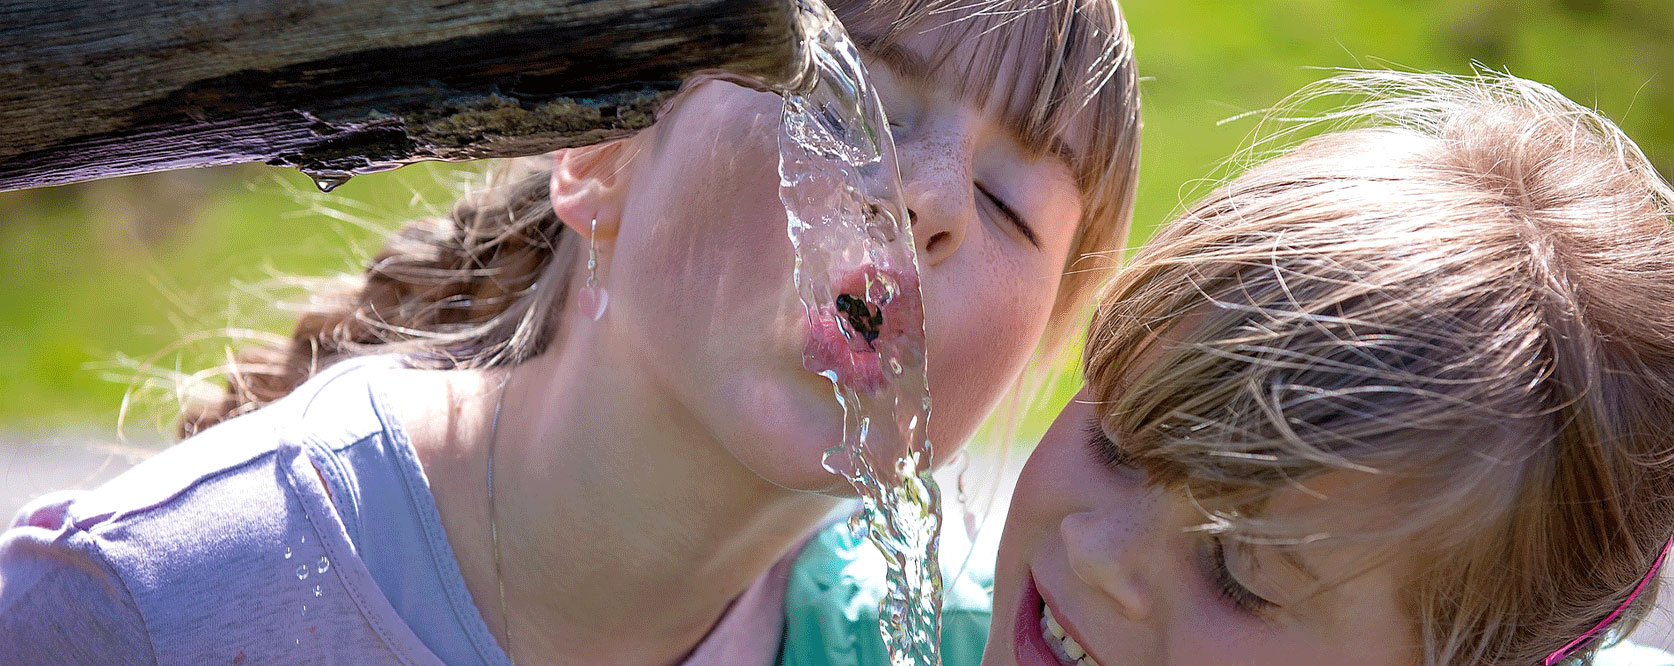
{"x":1402,"y":395}
{"x":570,"y":423}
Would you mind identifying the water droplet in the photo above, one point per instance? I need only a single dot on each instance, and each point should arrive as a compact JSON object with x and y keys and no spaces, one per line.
{"x":323,"y":565}
{"x":858,"y":526}
{"x":302,"y":572}
{"x":287,"y":552}
{"x":329,"y":180}
{"x":305,"y":609}
{"x":317,"y":591}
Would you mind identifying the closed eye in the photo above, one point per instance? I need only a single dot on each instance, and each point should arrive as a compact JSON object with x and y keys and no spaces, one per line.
{"x":1234,"y":592}
{"x":1016,"y":220}
{"x":1108,"y":452}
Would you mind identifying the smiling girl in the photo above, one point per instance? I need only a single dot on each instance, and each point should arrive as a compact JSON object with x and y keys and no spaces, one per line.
{"x":570,"y":423}
{"x":1399,"y":396}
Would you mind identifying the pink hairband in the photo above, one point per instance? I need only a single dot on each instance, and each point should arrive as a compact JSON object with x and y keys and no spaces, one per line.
{"x":1580,"y":642}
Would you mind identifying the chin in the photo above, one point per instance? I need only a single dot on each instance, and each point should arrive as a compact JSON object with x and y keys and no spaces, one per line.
{"x":796,"y":462}
{"x":780,"y":431}
{"x":797,"y":468}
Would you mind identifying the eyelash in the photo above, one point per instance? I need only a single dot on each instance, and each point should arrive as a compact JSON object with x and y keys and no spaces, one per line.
{"x":1109,"y":453}
{"x":1240,"y":596}
{"x":1005,"y":210}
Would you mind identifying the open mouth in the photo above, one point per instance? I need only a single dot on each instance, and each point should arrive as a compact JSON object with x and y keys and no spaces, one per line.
{"x":870,"y":319}
{"x":1041,"y":640}
{"x":865,"y":319}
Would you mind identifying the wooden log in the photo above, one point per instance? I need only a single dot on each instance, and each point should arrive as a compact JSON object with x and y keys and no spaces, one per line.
{"x":100,"y":88}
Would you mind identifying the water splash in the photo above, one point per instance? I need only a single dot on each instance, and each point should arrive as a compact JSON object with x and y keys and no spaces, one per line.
{"x":857,"y":276}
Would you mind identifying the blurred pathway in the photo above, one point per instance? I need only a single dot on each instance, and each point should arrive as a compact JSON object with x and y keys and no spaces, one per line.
{"x":32,"y":465}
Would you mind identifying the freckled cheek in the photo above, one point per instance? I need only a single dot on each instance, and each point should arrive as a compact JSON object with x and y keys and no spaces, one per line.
{"x":980,"y":333}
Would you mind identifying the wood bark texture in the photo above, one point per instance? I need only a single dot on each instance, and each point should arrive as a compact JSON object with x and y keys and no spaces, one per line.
{"x":100,"y":88}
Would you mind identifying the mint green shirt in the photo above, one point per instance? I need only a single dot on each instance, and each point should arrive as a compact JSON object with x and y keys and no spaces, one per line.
{"x":831,"y":605}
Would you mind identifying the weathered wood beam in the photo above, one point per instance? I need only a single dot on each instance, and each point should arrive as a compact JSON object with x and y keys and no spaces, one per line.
{"x":100,"y":88}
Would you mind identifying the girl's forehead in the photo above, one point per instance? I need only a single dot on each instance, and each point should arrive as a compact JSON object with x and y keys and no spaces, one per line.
{"x":998,"y":63}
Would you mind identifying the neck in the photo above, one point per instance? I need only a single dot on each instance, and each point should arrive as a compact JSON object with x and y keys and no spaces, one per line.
{"x":617,"y":515}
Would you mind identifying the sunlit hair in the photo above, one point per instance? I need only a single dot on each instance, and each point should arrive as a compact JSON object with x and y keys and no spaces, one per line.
{"x":1464,"y":289}
{"x":485,"y":286}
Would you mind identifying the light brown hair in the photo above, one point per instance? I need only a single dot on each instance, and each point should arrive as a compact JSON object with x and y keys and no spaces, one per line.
{"x":1467,"y":288}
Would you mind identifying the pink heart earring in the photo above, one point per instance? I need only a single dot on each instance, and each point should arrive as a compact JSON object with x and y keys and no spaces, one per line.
{"x":592,"y":299}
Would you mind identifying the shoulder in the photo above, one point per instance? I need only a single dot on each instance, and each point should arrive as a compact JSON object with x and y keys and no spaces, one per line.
{"x":833,"y":595}
{"x":225,"y":538}
{"x":60,"y":600}
{"x":144,"y":560}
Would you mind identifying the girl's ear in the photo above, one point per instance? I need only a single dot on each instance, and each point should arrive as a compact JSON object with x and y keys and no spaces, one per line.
{"x":590,"y":182}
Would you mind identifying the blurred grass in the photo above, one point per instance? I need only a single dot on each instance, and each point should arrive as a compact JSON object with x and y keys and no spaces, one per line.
{"x":99,"y":274}
{"x":103,"y":276}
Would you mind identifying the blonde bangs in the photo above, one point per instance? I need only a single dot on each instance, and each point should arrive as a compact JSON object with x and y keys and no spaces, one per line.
{"x":1061,"y":73}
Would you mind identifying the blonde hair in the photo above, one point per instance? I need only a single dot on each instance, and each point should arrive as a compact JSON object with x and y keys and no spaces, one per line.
{"x":1467,"y":289}
{"x":485,"y":286}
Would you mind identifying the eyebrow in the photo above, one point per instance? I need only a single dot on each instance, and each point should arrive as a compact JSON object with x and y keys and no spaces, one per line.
{"x":914,"y":66}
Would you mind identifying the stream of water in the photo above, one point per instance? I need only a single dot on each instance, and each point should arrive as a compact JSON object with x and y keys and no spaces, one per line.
{"x":857,"y":276}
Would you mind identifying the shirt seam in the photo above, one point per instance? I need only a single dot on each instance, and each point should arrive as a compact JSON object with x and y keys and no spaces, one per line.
{"x":436,"y":535}
{"x":349,"y":584}
{"x":336,"y":473}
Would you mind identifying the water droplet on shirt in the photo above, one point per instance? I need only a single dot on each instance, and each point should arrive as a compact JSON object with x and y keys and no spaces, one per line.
{"x":323,"y":565}
{"x":316,"y":591}
{"x":287,"y":552}
{"x":302,"y":572}
{"x":305,"y":609}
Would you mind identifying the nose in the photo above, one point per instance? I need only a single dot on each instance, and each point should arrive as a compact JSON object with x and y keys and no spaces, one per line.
{"x":936,"y":184}
{"x":1108,"y":549}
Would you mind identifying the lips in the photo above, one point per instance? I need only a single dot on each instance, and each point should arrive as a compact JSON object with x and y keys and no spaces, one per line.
{"x":874,"y":313}
{"x":1030,"y":637}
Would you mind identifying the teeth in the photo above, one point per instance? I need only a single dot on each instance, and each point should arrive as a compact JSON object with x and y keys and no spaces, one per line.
{"x":1073,"y":649}
{"x":1052,"y":624}
{"x":1066,"y":649}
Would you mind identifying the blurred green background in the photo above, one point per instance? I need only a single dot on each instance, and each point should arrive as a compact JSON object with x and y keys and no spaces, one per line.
{"x":104,"y":277}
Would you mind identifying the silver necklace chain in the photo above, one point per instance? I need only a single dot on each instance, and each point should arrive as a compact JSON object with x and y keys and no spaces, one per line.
{"x":493,"y":528}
